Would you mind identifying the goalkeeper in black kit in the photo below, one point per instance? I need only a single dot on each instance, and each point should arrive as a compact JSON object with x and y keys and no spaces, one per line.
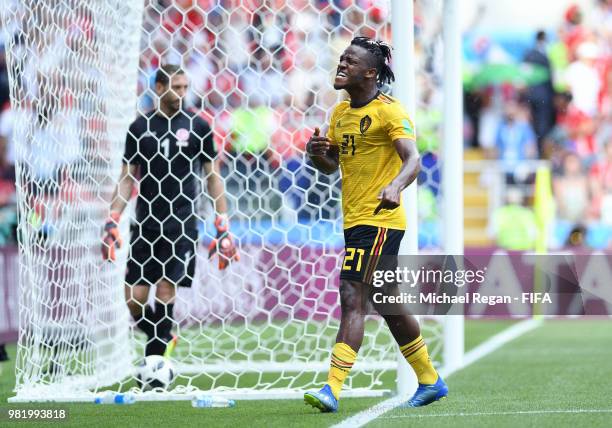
{"x":166,"y":149}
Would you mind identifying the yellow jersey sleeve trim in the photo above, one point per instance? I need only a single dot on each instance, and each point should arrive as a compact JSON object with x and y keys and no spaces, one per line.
{"x":385,"y":98}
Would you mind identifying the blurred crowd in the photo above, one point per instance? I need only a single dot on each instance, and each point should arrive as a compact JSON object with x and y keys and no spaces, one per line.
{"x":260,"y":73}
{"x":555,"y":104}
{"x":252,"y":55}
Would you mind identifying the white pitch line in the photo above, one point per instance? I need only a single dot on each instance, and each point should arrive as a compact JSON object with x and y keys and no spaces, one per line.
{"x":509,"y":413}
{"x":482,"y":350}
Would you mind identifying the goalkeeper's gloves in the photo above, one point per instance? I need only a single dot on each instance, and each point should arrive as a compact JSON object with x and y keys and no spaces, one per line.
{"x":111,"y":240}
{"x":223,"y":244}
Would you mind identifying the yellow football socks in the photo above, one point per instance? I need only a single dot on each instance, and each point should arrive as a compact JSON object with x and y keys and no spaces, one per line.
{"x":342,"y":359}
{"x":416,"y":354}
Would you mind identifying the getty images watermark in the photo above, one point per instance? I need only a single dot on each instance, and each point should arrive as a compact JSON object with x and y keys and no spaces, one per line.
{"x":496,"y":285}
{"x":413,"y":278}
{"x":458,"y":278}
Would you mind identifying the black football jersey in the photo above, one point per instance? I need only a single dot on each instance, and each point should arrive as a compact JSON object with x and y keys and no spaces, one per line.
{"x":170,"y":154}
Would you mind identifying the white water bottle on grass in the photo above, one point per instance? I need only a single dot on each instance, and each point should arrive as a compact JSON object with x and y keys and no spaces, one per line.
{"x":207,"y":401}
{"x":110,"y":397}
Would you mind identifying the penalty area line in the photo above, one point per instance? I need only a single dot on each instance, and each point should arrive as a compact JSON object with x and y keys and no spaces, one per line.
{"x":487,"y":347}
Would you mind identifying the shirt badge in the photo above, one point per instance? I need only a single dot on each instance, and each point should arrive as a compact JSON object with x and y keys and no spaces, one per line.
{"x":365,"y":123}
{"x":182,"y":135}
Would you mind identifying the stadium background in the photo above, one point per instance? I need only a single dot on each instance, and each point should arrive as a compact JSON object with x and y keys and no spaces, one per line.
{"x":291,"y":94}
{"x":274,"y":38}
{"x":293,"y":90}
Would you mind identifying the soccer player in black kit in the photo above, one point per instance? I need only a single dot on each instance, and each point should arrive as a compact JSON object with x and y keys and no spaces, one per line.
{"x":167,"y":149}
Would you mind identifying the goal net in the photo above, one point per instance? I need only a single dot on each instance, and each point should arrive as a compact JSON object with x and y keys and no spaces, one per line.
{"x":73,"y":73}
{"x":260,"y":74}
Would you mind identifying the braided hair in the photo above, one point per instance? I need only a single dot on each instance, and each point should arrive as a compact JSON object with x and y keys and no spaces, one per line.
{"x":381,"y":55}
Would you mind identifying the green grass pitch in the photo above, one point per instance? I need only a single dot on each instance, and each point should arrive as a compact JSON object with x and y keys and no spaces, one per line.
{"x":563,"y":365}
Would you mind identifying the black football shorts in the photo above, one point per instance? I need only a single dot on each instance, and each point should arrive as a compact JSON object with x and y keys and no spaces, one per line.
{"x":369,"y":248}
{"x":154,"y":257}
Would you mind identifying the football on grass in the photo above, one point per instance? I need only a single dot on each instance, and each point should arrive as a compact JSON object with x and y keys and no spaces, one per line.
{"x":155,"y":371}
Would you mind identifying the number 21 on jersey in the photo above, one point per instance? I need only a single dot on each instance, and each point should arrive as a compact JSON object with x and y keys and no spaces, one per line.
{"x":348,"y":144}
{"x":349,"y":259}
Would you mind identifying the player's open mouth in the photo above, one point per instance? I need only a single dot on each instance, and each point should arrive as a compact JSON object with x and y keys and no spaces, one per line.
{"x":340,"y":78}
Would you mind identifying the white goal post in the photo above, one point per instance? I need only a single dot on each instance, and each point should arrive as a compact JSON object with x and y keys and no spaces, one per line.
{"x":80,"y":73}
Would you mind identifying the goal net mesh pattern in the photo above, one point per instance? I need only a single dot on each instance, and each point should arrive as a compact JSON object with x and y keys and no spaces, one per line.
{"x":260,"y":73}
{"x":73,"y":74}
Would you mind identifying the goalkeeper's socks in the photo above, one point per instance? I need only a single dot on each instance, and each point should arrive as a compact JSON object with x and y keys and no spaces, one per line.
{"x":417,"y":356}
{"x":342,"y":359}
{"x":146,"y":321}
{"x":3,"y":354}
{"x":164,"y":313}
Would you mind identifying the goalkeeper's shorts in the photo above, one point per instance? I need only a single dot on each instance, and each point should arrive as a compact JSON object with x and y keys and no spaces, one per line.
{"x":367,"y":249}
{"x":154,"y":257}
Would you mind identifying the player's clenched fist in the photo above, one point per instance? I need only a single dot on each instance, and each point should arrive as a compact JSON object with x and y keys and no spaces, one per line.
{"x":223,"y":245}
{"x":111,"y":239}
{"x":317,"y":145}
